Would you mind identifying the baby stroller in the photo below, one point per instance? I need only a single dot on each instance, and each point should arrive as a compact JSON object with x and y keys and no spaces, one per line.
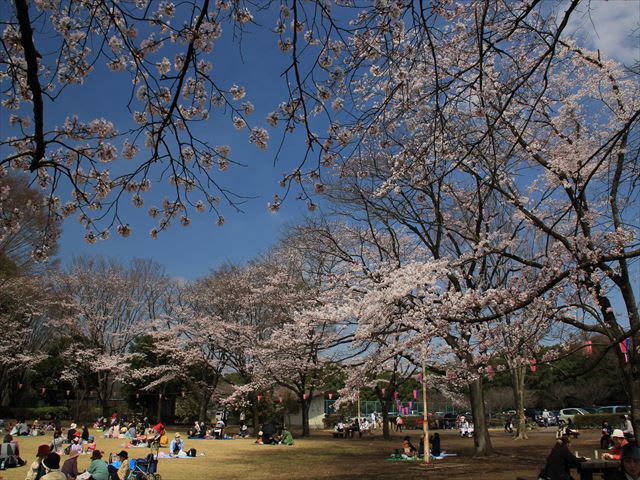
{"x":145,"y":469}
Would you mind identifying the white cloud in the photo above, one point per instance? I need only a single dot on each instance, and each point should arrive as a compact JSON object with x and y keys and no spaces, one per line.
{"x":613,"y":27}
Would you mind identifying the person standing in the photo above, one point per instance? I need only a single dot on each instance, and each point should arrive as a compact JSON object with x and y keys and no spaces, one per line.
{"x":399,"y":423}
{"x":545,"y":418}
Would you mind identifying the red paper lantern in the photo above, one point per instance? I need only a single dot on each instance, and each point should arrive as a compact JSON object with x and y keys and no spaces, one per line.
{"x":330,"y":396}
{"x":588,"y":348}
{"x":304,"y":395}
{"x":415,"y":393}
{"x":534,"y":365}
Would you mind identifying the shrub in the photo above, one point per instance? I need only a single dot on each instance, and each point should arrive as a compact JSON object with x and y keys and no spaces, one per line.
{"x":595,"y":420}
{"x":42,"y":413}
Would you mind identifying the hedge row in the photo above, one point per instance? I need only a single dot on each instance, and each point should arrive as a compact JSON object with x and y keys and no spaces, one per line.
{"x":595,"y":420}
{"x":42,"y":413}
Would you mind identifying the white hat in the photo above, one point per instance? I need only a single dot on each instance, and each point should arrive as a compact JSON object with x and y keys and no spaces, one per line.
{"x":617,"y":433}
{"x":73,"y":425}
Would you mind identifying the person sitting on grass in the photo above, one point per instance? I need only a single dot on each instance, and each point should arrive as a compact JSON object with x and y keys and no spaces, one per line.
{"x":434,"y":441}
{"x":76,"y":444}
{"x":10,"y":452}
{"x":70,"y":466}
{"x":120,"y":467}
{"x":51,"y":466}
{"x":408,"y":449}
{"x":195,"y":430}
{"x":36,"y":471}
{"x":244,"y":430}
{"x":176,"y":445}
{"x":560,"y":461}
{"x":259,"y":440}
{"x":91,"y":445}
{"x":630,"y":466}
{"x":619,"y":442}
{"x":355,"y":428}
{"x":98,"y":469}
{"x":57,"y":442}
{"x":287,"y":437}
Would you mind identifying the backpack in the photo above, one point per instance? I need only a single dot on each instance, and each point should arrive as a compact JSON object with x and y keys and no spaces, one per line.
{"x":191,"y":452}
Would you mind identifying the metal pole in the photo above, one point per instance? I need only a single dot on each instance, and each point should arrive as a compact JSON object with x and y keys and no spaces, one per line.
{"x":425,"y":424}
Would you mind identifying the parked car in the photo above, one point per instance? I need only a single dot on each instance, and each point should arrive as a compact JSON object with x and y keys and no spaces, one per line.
{"x":570,"y":413}
{"x":614,"y":409}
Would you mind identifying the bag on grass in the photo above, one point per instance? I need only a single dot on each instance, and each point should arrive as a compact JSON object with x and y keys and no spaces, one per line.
{"x":191,"y":452}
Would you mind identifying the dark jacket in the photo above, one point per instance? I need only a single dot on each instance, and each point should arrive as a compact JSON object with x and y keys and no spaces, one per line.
{"x":617,"y":475}
{"x":559,"y":463}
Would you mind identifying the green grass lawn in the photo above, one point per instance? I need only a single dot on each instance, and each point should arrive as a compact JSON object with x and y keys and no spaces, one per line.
{"x":323,"y":457}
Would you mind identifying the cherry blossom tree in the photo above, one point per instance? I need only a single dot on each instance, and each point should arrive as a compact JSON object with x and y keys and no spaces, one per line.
{"x":494,"y":97}
{"x":25,"y":304}
{"x":106,"y":306}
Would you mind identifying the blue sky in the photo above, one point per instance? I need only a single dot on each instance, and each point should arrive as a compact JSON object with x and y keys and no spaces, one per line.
{"x":190,"y":252}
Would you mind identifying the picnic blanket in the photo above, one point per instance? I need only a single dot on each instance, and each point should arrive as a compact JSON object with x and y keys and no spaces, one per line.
{"x":166,"y":455}
{"x":400,"y":458}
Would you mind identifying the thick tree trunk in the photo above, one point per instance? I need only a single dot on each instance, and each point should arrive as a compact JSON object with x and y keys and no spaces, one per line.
{"x":386,"y":432}
{"x":304,"y":406}
{"x":254,"y":412}
{"x":103,"y":382}
{"x":517,"y":382}
{"x":204,"y":405}
{"x":481,"y":439}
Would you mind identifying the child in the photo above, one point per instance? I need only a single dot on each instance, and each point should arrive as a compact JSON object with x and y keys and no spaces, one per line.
{"x":408,"y":450}
{"x":91,"y":445}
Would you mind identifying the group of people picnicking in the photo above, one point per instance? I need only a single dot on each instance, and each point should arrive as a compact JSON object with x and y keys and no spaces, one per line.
{"x":352,"y":428}
{"x":50,"y":463}
{"x":409,"y":451}
{"x":271,"y":433}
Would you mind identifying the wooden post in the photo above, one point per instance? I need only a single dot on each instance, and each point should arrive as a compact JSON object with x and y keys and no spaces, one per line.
{"x":425,"y":425}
